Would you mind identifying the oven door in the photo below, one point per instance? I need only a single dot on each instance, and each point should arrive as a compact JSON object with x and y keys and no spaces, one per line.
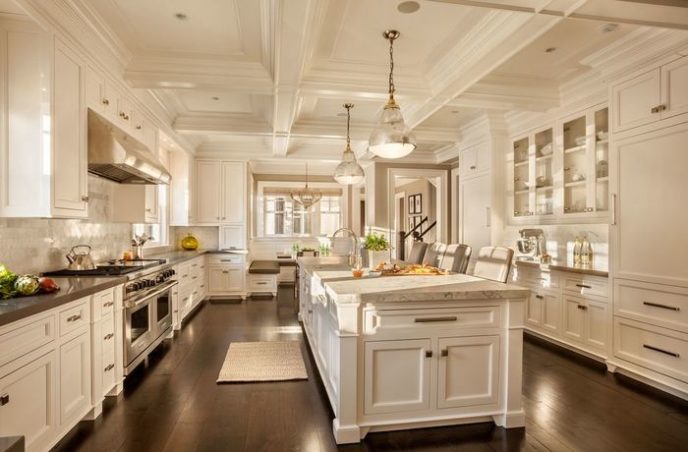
{"x":163,"y":309}
{"x":139,"y":329}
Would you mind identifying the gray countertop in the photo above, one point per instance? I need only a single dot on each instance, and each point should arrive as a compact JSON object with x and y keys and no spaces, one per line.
{"x":70,"y":289}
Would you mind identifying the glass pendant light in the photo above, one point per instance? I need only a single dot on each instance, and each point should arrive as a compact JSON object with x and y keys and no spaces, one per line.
{"x":391,"y":138}
{"x":349,"y":172}
{"x":307,"y":197}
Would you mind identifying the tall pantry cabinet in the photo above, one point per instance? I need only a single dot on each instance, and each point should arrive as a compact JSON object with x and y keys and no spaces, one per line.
{"x":649,"y":220}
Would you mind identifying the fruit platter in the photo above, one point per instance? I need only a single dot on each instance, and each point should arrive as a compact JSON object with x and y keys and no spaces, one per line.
{"x":13,"y":285}
{"x":409,"y":270}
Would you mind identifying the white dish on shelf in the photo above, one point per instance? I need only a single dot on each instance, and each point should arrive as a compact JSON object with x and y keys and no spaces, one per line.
{"x":601,"y":136}
{"x":546,"y":149}
{"x":580,"y":141}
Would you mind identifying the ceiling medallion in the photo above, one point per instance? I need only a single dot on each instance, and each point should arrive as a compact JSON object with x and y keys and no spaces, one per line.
{"x":307,"y":197}
{"x":391,"y":138}
{"x":348,"y":172}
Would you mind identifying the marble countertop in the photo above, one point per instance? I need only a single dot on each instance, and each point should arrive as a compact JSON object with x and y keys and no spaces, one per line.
{"x":598,"y":267}
{"x":70,"y":289}
{"x":420,"y":288}
{"x":12,"y":444}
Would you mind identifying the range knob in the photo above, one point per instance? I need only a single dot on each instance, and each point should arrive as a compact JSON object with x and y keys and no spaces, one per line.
{"x":160,"y":278}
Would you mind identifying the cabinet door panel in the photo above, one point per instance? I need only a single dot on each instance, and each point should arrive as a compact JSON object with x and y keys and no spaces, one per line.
{"x":469,"y":373}
{"x":232,"y":237}
{"x":69,"y":142}
{"x":574,"y":318}
{"x":634,"y":100}
{"x":651,"y":216}
{"x":551,"y":313}
{"x":233,"y":192}
{"x":396,"y":376}
{"x":208,"y":179}
{"x":596,"y":324}
{"x":474,"y":199}
{"x":675,"y":87}
{"x":75,"y":381}
{"x":31,"y":408}
{"x":152,"y":214}
{"x":534,"y":309}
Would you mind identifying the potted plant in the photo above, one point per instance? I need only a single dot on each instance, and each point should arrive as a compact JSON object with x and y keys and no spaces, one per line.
{"x":378,"y":249}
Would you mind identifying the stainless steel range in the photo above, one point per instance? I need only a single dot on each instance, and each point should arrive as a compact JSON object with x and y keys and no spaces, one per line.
{"x":147,"y":314}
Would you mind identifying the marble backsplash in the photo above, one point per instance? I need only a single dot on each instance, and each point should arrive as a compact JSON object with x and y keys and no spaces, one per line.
{"x":33,"y":245}
{"x":561,"y":238}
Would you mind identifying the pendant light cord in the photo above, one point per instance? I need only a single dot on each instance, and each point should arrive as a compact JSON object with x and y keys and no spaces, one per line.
{"x":391,"y":67}
{"x":348,"y":124}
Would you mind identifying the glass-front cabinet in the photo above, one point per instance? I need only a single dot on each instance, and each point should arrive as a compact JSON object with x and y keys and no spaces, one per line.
{"x":560,"y":173}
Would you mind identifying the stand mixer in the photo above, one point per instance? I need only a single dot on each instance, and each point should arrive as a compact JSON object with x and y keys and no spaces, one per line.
{"x":532,"y":244}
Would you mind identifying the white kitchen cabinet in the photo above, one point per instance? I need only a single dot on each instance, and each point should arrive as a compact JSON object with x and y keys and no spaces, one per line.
{"x":543,"y":310}
{"x":397,"y":376}
{"x":648,"y":233}
{"x":586,"y":320}
{"x":75,"y":379}
{"x":220,"y":192}
{"x":468,"y":367}
{"x":474,"y":160}
{"x":531,"y":174}
{"x":28,"y":400}
{"x":70,"y":179}
{"x":225,"y":279}
{"x":232,"y":237}
{"x":137,"y":204}
{"x":182,"y":211}
{"x":99,"y":94}
{"x":651,"y":96}
{"x":475,"y":201}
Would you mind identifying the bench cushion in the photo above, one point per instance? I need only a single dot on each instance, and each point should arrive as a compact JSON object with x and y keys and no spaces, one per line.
{"x":264,"y":267}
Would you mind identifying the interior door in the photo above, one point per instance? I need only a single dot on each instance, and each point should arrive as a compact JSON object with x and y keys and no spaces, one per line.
{"x":397,"y":376}
{"x":468,"y":372}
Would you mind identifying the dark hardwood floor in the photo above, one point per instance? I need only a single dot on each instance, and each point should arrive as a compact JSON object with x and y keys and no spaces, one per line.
{"x":174,"y":404}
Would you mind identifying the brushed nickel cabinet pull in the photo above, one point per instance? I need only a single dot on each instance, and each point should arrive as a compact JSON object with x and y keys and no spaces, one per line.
{"x":74,"y":318}
{"x":108,"y":304}
{"x":539,"y":297}
{"x":582,"y":307}
{"x":472,"y":167}
{"x":661,"y":107}
{"x":661,"y":306}
{"x":660,"y":350}
{"x":106,"y":102}
{"x":4,"y":399}
{"x":613,"y":209}
{"x":109,"y":367}
{"x":84,"y":198}
{"x":583,"y":286}
{"x":654,"y":110}
{"x":108,"y":336}
{"x":444,"y":353}
{"x":138,"y":127}
{"x":428,"y":353}
{"x":225,"y":271}
{"x":436,"y":319}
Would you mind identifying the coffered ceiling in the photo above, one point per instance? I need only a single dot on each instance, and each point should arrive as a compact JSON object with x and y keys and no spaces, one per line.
{"x":266,"y":79}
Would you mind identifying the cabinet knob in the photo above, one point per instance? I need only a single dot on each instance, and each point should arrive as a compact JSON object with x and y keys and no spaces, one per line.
{"x":428,"y":353}
{"x":138,"y":127}
{"x":108,"y":336}
{"x":444,"y":353}
{"x":539,"y":297}
{"x":4,"y":399}
{"x":84,"y":198}
{"x":106,"y":102}
{"x":472,"y":167}
{"x":582,"y":307}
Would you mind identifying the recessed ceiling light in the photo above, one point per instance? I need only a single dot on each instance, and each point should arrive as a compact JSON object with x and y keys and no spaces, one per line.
{"x":608,"y":28}
{"x":181,"y":16}
{"x":409,"y":7}
{"x":550,"y":49}
{"x":215,"y":98}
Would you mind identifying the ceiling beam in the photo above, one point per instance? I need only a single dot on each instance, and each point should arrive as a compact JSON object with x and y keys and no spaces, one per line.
{"x":298,"y":22}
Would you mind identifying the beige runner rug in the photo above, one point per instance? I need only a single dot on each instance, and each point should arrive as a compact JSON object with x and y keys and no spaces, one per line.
{"x":263,"y":361}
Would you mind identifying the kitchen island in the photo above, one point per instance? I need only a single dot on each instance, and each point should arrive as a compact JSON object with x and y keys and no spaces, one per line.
{"x":403,"y":352}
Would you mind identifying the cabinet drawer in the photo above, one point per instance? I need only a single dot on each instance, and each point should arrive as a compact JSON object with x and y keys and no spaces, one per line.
{"x":107,"y":339}
{"x":225,"y":259}
{"x":103,"y":303}
{"x":108,"y":369}
{"x":463,"y":317}
{"x":21,"y":340}
{"x":655,"y":348}
{"x":74,"y":317}
{"x":586,"y":285}
{"x":657,"y":304}
{"x":262,"y":283}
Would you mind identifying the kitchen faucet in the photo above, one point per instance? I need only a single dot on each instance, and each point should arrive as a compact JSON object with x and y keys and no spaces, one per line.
{"x":355,"y":254}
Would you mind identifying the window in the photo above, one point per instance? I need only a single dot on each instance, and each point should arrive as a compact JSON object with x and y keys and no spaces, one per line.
{"x":158,"y":231}
{"x":281,"y":216}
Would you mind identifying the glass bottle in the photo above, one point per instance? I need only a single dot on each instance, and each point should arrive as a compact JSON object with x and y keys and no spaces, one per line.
{"x":585,"y":252}
{"x":577,"y":251}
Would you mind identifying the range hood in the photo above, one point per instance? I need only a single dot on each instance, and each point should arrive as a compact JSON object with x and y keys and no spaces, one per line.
{"x":119,"y":157}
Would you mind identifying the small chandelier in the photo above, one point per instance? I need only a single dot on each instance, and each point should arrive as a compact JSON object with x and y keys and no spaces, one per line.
{"x":391,"y":138}
{"x":348,"y":172}
{"x":307,"y":197}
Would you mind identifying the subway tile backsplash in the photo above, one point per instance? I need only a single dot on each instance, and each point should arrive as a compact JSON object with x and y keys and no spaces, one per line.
{"x":33,"y":245}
